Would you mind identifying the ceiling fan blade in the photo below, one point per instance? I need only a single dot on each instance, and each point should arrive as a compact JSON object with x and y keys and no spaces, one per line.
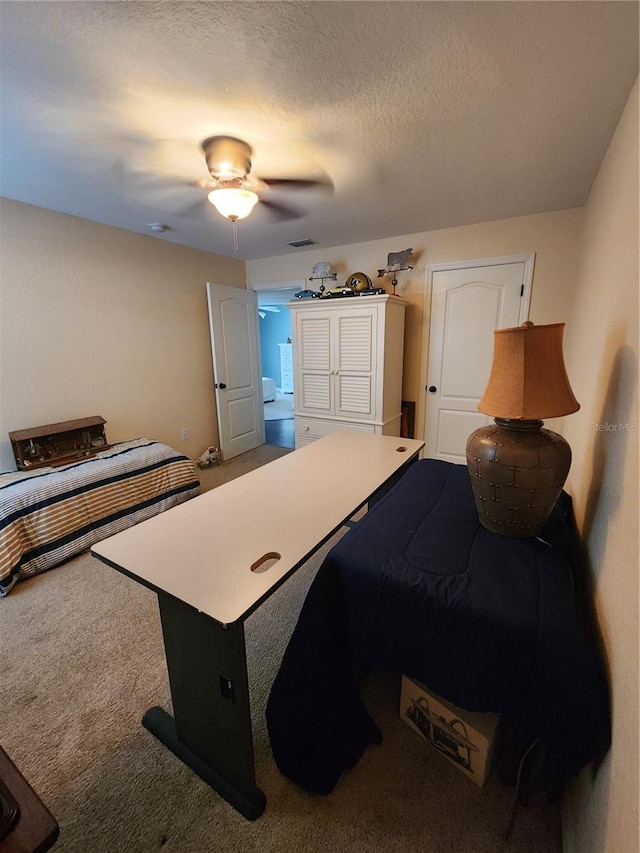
{"x":152,"y":182}
{"x":298,"y":183}
{"x":280,"y":211}
{"x":173,"y":196}
{"x":205,"y":184}
{"x":195,"y":210}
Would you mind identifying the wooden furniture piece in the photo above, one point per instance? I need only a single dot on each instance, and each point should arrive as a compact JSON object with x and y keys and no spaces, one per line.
{"x":214,"y":560}
{"x":33,"y":829}
{"x":58,"y":444}
{"x":348,"y":356}
{"x":286,"y":368}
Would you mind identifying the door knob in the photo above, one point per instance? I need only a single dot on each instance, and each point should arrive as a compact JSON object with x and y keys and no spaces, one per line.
{"x":222,"y":386}
{"x":432,"y":389}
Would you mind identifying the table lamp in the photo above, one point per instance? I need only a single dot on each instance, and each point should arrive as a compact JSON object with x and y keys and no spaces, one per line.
{"x":517,"y":468}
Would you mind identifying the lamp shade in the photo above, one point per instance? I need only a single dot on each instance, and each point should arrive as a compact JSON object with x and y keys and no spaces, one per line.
{"x":528,"y":379}
{"x":233,"y":202}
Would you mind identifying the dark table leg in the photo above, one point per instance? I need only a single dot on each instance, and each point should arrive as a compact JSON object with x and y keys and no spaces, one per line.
{"x":211,"y":727}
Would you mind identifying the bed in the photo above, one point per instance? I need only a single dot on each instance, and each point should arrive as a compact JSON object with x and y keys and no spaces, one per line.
{"x":419,"y":587}
{"x":51,"y":514}
{"x":268,"y":390}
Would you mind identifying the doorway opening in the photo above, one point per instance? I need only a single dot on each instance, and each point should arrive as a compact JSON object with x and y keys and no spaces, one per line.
{"x":274,"y":322}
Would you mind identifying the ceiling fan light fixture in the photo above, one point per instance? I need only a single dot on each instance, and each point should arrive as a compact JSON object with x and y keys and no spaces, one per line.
{"x":233,"y":203}
{"x":227,"y":157}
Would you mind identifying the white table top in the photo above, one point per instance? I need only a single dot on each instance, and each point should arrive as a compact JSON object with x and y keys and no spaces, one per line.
{"x":202,"y":551}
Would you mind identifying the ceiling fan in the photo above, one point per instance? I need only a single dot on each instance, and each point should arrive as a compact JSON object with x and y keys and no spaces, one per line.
{"x":234,"y":192}
{"x":263,"y":309}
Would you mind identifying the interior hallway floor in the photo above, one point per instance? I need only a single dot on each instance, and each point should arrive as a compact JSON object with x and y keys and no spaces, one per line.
{"x":279,"y":433}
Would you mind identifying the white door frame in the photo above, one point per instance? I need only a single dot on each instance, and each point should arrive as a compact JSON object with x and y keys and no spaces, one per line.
{"x":298,"y":284}
{"x":295,"y":285}
{"x":528,"y":260}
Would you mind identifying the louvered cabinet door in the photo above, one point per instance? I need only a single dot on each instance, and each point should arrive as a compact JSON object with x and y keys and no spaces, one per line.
{"x":314,"y":380}
{"x":355,"y":362}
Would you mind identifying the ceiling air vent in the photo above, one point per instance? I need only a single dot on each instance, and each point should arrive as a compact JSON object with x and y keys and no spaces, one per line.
{"x":298,"y":244}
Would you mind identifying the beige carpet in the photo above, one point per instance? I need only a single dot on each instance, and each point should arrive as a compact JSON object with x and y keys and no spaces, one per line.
{"x":83,"y":659}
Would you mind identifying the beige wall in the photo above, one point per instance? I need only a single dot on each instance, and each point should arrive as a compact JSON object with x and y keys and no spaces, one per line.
{"x":97,"y":320}
{"x":602,"y":361}
{"x":554,"y":237}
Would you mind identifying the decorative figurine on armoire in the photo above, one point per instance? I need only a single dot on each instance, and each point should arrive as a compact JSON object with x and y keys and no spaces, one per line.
{"x":396,"y":262}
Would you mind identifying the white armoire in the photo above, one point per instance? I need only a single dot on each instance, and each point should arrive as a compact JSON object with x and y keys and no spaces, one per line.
{"x":347,"y":365}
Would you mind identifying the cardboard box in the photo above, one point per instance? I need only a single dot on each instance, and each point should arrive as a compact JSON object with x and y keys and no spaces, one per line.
{"x":465,"y":738}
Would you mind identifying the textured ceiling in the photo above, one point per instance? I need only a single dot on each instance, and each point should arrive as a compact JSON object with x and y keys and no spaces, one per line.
{"x":423,"y":115}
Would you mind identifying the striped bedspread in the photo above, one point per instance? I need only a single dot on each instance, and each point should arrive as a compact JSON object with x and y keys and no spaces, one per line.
{"x":49,"y":515}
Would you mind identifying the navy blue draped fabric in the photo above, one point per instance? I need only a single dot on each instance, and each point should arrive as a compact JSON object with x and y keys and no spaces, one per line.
{"x":420,"y":587}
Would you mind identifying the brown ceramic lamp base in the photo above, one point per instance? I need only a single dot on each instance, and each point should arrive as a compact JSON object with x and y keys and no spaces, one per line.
{"x":517,"y":472}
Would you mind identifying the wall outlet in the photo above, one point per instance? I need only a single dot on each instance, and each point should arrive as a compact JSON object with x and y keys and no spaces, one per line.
{"x":184,"y":434}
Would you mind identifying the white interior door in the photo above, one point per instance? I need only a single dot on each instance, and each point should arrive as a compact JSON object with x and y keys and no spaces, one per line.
{"x":236,"y":368}
{"x":467,"y":304}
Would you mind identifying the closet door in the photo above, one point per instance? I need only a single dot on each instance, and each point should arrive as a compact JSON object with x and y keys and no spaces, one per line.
{"x":313,"y":386}
{"x":354,"y":361}
{"x":467,"y":305}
